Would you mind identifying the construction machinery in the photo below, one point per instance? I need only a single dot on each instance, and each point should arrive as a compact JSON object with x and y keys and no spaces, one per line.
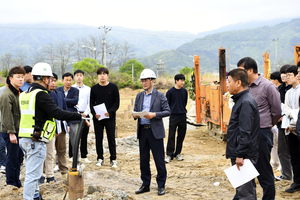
{"x":297,"y":53}
{"x":211,"y":106}
{"x":212,"y":100}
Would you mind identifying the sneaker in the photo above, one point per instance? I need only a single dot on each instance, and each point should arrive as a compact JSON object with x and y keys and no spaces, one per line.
{"x":114,"y":163}
{"x":86,"y":160}
{"x":179,"y":157}
{"x":99,"y":162}
{"x":281,"y":177}
{"x":52,"y":179}
{"x":56,"y":169}
{"x":38,"y":198}
{"x":168,"y":159}
{"x":41,"y":180}
{"x":2,"y":169}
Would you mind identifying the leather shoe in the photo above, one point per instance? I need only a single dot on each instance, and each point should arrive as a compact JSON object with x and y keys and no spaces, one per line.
{"x":161,"y":191}
{"x":143,"y":189}
{"x":294,"y":188}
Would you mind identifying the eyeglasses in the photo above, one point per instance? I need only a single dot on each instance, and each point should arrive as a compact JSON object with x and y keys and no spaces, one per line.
{"x":144,"y":80}
{"x":289,"y":75}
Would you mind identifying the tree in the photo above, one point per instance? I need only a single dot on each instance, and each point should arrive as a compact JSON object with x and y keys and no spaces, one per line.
{"x":89,"y":66}
{"x":137,"y":68}
{"x":125,"y":53}
{"x":187,"y":71}
{"x":6,"y":62}
{"x":21,"y":58}
{"x":64,"y":52}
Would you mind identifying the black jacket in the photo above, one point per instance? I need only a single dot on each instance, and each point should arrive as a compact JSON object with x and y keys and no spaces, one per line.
{"x":243,"y":128}
{"x":45,"y":108}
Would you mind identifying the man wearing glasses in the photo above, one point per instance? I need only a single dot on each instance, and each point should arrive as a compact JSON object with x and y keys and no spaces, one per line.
{"x":71,"y":96}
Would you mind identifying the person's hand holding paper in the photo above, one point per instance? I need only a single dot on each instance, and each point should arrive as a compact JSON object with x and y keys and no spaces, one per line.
{"x":101,"y":111}
{"x":140,"y":114}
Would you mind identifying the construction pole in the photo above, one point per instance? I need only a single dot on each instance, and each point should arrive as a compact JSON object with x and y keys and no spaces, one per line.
{"x":105,"y":30}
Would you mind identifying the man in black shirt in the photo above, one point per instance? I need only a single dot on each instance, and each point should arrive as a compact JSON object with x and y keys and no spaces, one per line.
{"x":107,"y":93}
{"x":177,"y":98}
{"x":243,"y":129}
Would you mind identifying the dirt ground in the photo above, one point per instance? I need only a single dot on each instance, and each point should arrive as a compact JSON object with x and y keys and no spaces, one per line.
{"x":193,"y":178}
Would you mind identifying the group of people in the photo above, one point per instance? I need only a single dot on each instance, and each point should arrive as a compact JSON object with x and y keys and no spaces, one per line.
{"x":36,"y":115}
{"x":259,"y":106}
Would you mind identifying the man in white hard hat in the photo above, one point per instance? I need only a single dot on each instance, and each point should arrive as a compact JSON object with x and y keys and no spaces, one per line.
{"x":151,"y":132}
{"x":37,"y":126}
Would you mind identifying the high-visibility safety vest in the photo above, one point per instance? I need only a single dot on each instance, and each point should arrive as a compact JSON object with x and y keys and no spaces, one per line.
{"x":27,"y":124}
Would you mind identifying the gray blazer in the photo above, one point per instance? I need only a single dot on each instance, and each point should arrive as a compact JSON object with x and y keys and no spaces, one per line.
{"x":159,"y":105}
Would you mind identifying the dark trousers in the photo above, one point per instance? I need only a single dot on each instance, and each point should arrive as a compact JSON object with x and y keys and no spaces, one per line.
{"x":284,"y":154}
{"x":294,"y":145}
{"x":110,"y":127}
{"x":246,"y":191}
{"x":178,"y":123}
{"x":13,"y":161}
{"x":148,"y":142}
{"x":263,"y":166}
{"x":83,"y":143}
{"x":2,"y":150}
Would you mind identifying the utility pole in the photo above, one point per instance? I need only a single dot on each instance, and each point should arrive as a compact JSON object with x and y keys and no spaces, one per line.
{"x":228,"y":59}
{"x":160,"y":66}
{"x":132,"y":72}
{"x":105,"y":30}
{"x":275,"y":53}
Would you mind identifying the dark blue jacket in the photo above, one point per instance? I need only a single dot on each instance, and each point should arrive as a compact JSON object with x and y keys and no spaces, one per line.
{"x":71,"y":99}
{"x":243,"y":128}
{"x":59,"y":99}
{"x":159,"y":105}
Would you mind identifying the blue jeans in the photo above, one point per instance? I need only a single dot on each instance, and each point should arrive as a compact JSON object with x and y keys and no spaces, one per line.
{"x":34,"y":160}
{"x":2,"y":150}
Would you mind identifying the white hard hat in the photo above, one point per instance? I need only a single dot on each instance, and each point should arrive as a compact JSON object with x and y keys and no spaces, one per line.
{"x":42,"y":69}
{"x":147,"y":73}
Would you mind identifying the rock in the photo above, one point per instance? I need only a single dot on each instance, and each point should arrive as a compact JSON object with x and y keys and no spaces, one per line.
{"x":91,"y":189}
{"x":119,"y":194}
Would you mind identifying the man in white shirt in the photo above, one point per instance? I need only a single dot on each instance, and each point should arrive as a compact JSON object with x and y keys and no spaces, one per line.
{"x":83,"y":107}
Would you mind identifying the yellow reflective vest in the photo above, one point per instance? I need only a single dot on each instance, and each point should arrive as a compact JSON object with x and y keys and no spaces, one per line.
{"x":27,"y":124}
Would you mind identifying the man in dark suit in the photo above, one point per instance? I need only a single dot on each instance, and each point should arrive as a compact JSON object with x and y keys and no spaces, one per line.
{"x":150,"y":131}
{"x":71,"y":95}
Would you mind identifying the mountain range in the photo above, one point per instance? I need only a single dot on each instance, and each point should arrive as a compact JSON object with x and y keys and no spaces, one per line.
{"x":173,"y":48}
{"x":242,"y":43}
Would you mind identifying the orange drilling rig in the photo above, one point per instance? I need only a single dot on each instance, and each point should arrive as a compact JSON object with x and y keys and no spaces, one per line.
{"x":212,"y":101}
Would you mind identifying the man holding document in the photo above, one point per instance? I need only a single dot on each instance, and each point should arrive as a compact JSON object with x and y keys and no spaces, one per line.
{"x":104,"y":102}
{"x":291,"y":109}
{"x":150,"y":131}
{"x":243,"y":129}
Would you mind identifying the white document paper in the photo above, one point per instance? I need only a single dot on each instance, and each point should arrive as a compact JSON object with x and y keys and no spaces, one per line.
{"x":285,"y":122}
{"x":141,"y":114}
{"x":295,"y":114}
{"x":282,"y":109}
{"x":58,"y":126}
{"x":101,"y":110}
{"x":239,"y":177}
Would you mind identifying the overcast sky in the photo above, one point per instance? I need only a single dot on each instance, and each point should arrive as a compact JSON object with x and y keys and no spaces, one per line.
{"x":192,"y":16}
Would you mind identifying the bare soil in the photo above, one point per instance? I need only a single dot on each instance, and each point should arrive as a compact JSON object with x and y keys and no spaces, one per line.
{"x":193,"y":178}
